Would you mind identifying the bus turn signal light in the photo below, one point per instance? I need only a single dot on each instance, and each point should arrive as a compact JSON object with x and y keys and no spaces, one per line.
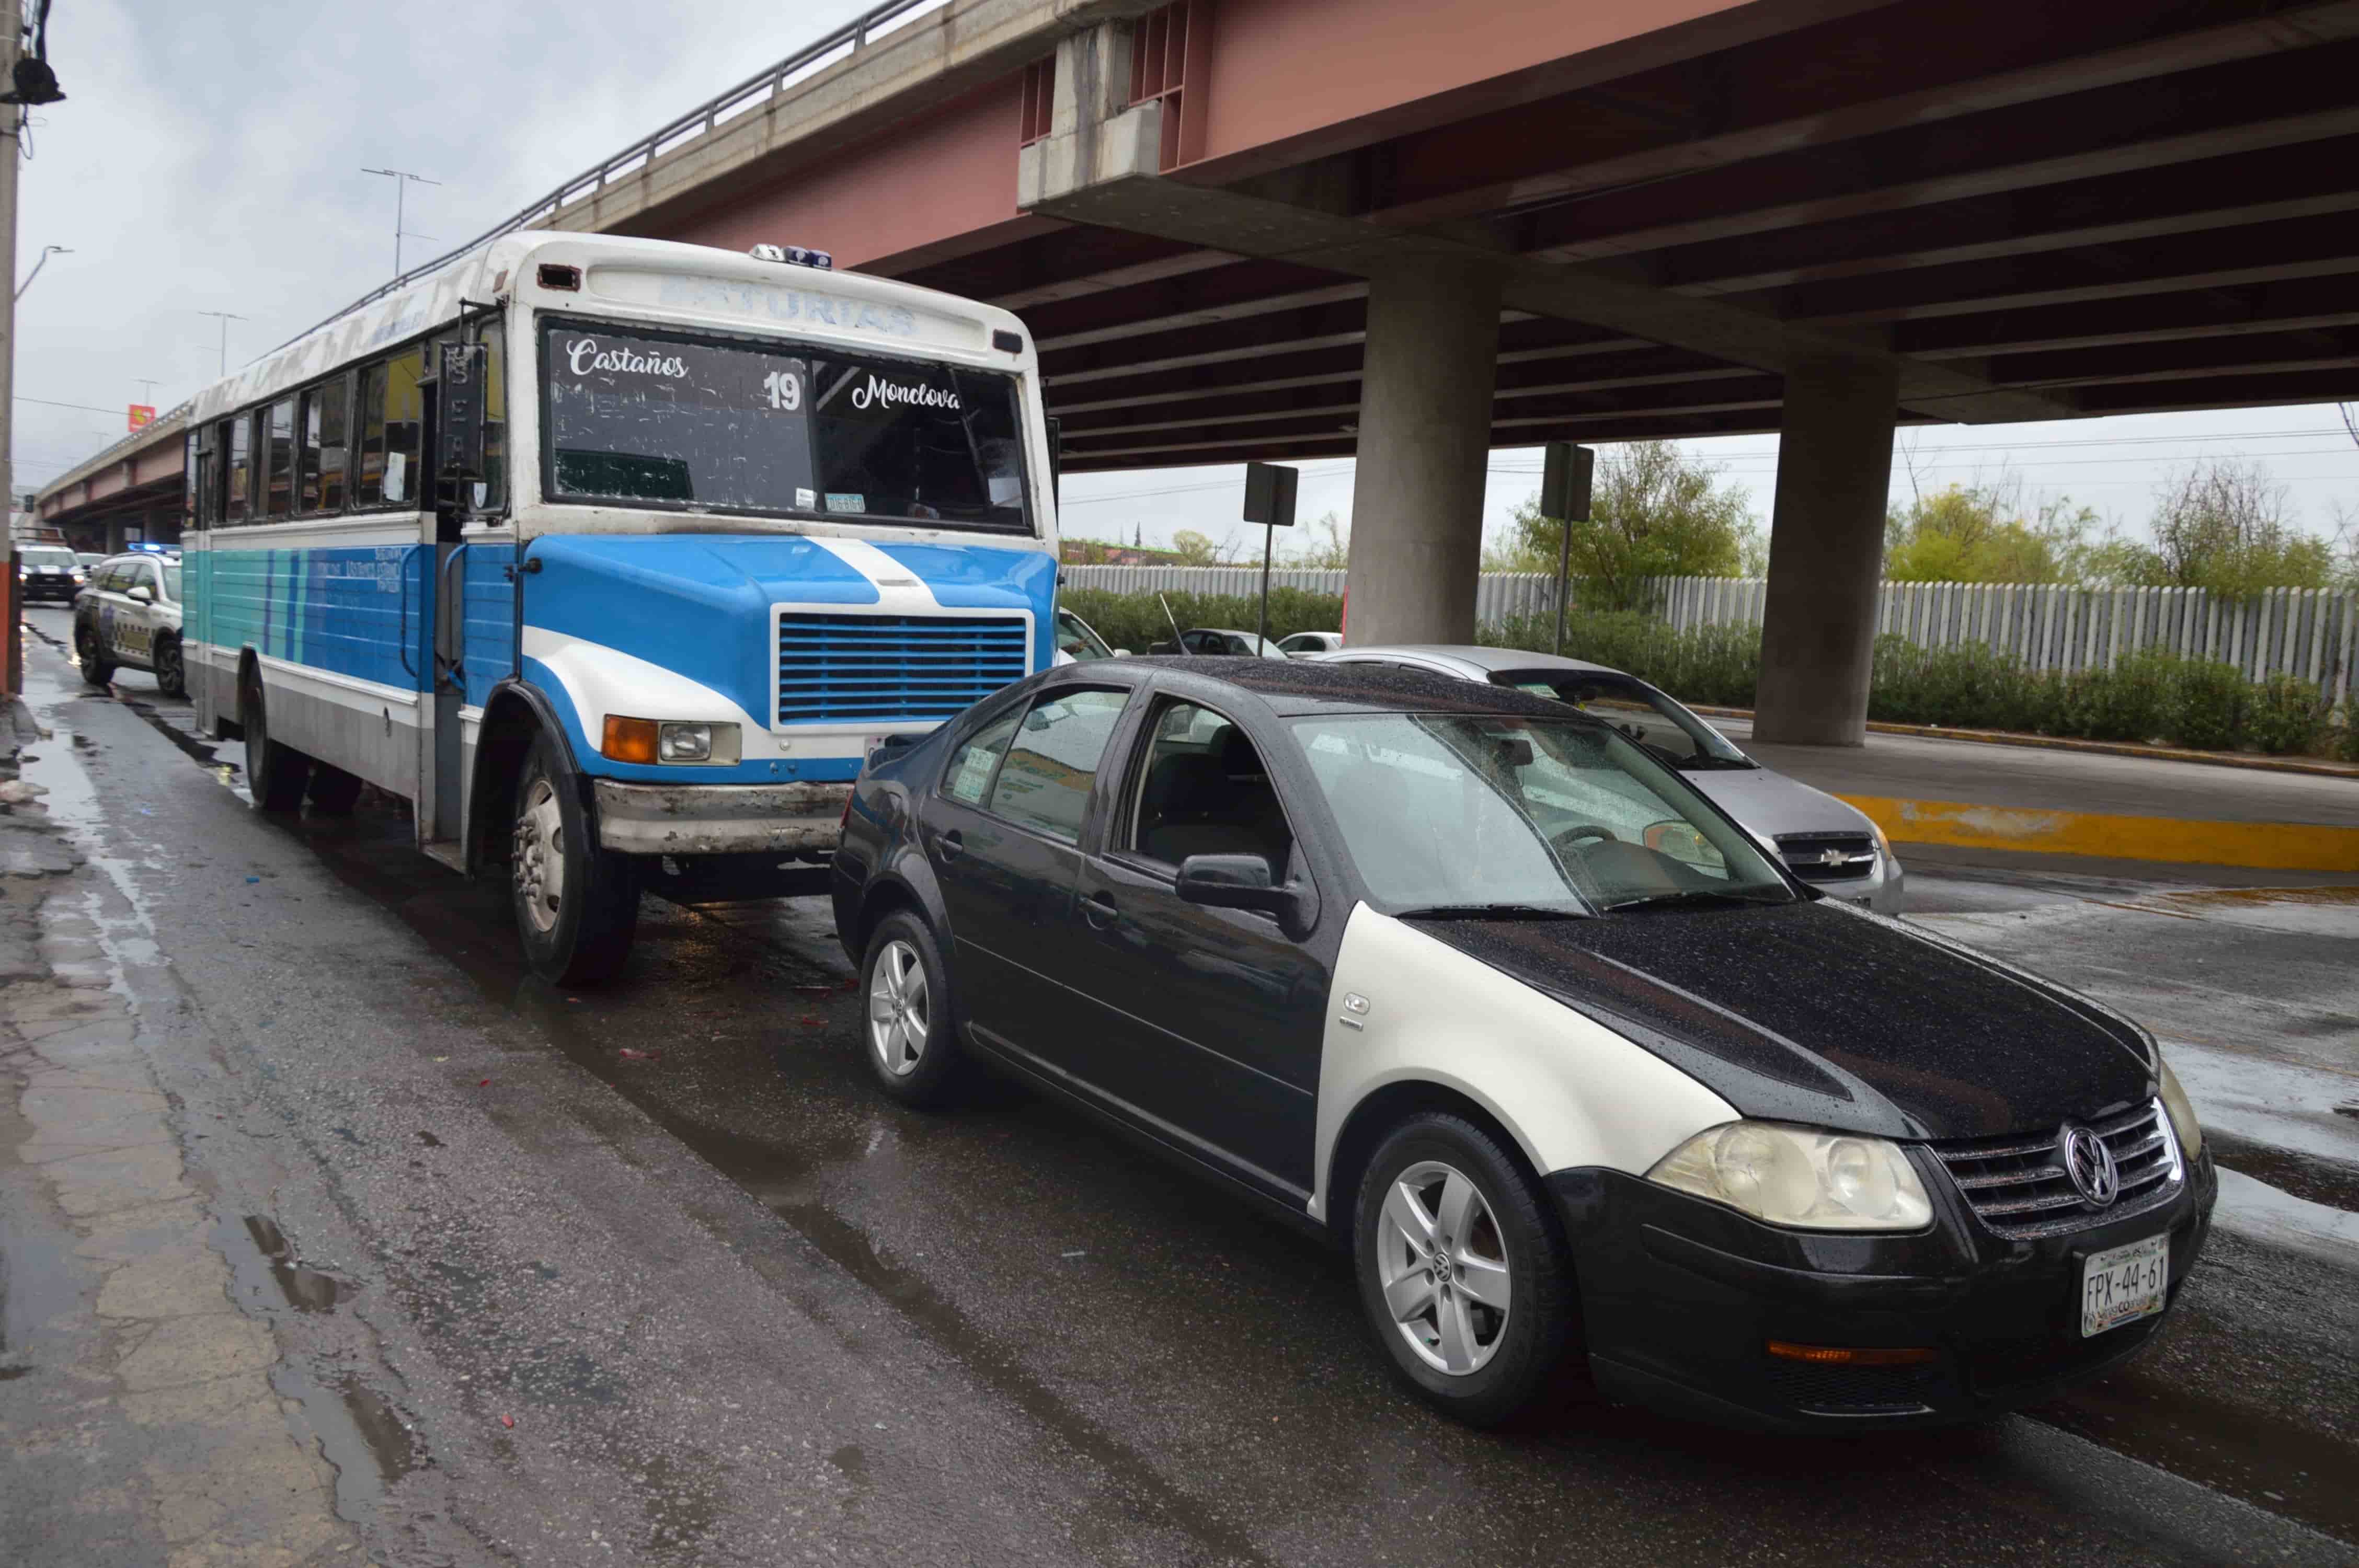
{"x":1842,"y":1355}
{"x":629,"y":740}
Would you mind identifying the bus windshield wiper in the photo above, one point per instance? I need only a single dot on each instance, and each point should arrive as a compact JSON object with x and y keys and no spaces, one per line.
{"x":1492,"y":912}
{"x":1693,"y":898}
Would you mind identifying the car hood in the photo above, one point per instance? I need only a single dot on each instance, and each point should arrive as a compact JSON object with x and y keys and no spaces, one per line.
{"x":1769,"y":802}
{"x":1819,"y":1013}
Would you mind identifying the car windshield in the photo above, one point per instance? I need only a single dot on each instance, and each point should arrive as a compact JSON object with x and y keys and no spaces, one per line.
{"x":1076,"y":641}
{"x":46,"y":556}
{"x":662,"y":419}
{"x":1670,"y":733}
{"x":1517,"y":816}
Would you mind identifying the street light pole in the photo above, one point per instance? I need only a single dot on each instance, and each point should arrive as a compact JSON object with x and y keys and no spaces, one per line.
{"x":401,"y":179}
{"x":225,"y":319}
{"x":12,"y":675}
{"x":47,"y":252}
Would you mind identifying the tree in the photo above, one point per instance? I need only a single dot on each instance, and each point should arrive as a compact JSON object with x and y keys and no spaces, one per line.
{"x":1194,"y":550}
{"x":1654,"y":512}
{"x":1326,"y":545}
{"x":1981,"y":534}
{"x":2224,"y":527}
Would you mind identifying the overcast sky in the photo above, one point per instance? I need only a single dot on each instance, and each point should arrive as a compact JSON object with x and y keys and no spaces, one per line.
{"x":209,"y":157}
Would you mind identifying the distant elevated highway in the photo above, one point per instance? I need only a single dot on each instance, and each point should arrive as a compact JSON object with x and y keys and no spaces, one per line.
{"x":1412,"y":232}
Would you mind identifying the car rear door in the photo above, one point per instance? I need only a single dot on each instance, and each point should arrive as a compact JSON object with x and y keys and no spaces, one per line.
{"x":1003,"y":832}
{"x":1202,"y":1026}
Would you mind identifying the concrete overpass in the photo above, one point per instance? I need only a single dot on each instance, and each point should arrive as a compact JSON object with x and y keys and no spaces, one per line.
{"x":1410,"y":231}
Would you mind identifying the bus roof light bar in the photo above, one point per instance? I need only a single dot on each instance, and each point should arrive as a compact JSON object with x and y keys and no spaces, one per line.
{"x":793,"y":255}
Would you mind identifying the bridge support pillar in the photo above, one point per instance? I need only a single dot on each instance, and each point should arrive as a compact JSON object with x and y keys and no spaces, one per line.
{"x":1826,"y":554}
{"x":1424,"y":452}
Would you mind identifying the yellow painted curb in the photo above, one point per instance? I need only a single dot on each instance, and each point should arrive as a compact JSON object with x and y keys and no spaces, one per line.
{"x":2267,"y":846}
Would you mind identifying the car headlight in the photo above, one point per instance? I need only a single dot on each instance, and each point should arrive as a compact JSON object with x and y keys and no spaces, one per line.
{"x":1795,"y":1176}
{"x":2181,"y":1109}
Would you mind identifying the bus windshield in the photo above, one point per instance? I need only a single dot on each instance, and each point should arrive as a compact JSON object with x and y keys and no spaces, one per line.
{"x":648,"y":418}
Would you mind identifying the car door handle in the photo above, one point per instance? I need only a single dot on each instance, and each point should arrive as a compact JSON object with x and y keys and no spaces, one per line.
{"x":1098,"y":911}
{"x":951,"y":845}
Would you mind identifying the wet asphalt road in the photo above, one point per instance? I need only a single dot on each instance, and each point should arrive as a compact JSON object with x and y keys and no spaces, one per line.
{"x":741,"y":1309}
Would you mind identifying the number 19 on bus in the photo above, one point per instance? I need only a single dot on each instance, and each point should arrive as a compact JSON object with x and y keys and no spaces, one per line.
{"x":786,"y":389}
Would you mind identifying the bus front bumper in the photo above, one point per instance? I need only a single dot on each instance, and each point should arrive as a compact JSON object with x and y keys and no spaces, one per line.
{"x":720,"y":819}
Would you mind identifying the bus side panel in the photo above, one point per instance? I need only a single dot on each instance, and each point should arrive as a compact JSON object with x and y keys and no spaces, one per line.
{"x":342,"y":635}
{"x":488,"y":644}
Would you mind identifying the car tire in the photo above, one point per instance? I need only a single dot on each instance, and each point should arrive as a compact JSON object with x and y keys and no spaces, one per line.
{"x":907,"y":1029}
{"x":275,"y":773}
{"x":334,"y":791}
{"x":171,"y":674}
{"x":1477,"y":1211}
{"x":577,"y":906}
{"x":97,"y":669}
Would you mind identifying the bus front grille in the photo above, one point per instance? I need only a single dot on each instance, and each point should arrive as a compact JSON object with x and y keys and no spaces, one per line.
{"x":836,"y":669}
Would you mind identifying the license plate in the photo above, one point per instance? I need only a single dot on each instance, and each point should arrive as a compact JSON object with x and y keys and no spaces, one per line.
{"x":2123,"y":1284}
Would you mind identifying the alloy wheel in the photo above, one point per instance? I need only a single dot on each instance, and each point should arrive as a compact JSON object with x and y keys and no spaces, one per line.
{"x":1443,"y":1267}
{"x":539,"y":858}
{"x":900,"y":1012}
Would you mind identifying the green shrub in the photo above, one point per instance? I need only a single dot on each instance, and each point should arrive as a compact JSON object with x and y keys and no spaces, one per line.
{"x":2209,"y":708}
{"x":2286,"y":714}
{"x":1136,"y":621}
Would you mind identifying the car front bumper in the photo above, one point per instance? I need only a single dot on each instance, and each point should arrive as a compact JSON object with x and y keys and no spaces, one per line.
{"x":1681,"y":1299}
{"x":720,"y":819}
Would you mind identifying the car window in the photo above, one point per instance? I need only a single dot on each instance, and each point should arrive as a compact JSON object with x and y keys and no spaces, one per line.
{"x":1076,"y":641}
{"x":173,"y":581}
{"x":1451,"y":810}
{"x":1204,"y":790}
{"x":968,"y":778}
{"x":143,"y":575}
{"x":1044,"y":782}
{"x":1669,"y":732}
{"x":115,"y":577}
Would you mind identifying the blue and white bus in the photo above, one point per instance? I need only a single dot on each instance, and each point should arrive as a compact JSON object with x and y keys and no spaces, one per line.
{"x":615,"y":558}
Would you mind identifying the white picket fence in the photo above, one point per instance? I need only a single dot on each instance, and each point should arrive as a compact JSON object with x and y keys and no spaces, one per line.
{"x":2303,"y":632}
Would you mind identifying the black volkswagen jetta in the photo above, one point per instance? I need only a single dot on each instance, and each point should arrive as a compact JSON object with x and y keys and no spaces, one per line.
{"x":1468,"y":982}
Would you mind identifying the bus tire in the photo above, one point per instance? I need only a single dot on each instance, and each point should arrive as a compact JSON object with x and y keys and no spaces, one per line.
{"x":334,"y":791}
{"x":96,"y":667}
{"x":577,"y":906}
{"x":274,"y":774}
{"x":171,"y":674}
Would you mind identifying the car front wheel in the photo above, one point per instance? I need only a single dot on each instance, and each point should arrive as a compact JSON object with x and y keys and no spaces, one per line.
{"x":1463,"y":1269}
{"x":171,"y":676}
{"x":96,"y":667}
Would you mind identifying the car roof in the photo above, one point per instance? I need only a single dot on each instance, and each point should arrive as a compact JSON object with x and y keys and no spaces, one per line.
{"x":1479,"y":657}
{"x":1300,"y":687}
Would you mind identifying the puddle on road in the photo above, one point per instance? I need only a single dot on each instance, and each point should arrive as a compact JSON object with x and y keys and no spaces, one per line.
{"x":305,"y":1289}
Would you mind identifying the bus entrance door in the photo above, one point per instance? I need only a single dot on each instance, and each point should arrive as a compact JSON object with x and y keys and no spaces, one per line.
{"x":455,"y":428}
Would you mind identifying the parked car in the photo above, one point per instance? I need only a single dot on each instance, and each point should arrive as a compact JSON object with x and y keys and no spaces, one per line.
{"x":130,"y":614}
{"x":1475,"y":985}
{"x":1218,"y":642}
{"x":1078,"y":641}
{"x":1822,"y":839}
{"x":1305,"y":642}
{"x":47,"y":571}
{"x":87,"y":559}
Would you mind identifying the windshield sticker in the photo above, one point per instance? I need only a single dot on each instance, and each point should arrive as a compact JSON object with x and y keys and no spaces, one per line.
{"x":806,"y":500}
{"x":882,"y":394}
{"x":584,"y":355}
{"x":847,"y":501}
{"x":397,"y":471}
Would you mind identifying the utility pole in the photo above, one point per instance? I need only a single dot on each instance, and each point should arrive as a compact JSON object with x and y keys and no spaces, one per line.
{"x":12,"y":27}
{"x":225,"y":319}
{"x":401,"y":179}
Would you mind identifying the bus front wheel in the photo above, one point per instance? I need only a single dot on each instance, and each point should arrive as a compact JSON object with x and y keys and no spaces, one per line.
{"x":577,"y":906}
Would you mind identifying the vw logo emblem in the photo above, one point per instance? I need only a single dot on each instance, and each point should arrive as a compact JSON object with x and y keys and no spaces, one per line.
{"x":2090,"y":1165}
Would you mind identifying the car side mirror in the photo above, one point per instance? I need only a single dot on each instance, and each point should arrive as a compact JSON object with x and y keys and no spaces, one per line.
{"x":1122,"y":652}
{"x":1243,"y":881}
{"x":141,"y":594}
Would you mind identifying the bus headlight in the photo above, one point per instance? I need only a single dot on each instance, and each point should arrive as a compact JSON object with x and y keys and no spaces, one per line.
{"x":685,"y":743}
{"x":1800,"y":1177}
{"x":649,"y":740}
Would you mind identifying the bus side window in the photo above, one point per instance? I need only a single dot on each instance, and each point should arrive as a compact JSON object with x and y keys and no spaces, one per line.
{"x":325,"y":415}
{"x":281,"y":473}
{"x":495,"y":488}
{"x":392,"y":423}
{"x":240,"y":507}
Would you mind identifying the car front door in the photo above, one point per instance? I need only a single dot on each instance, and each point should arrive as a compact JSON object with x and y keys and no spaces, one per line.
{"x":1003,"y":830}
{"x":134,"y":622}
{"x":107,"y":605}
{"x":1202,"y":1025}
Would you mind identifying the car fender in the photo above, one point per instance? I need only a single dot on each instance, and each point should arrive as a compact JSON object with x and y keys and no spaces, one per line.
{"x":1409,"y":1008}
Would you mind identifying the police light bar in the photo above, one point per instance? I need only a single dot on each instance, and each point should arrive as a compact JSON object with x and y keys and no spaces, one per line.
{"x":793,"y":255}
